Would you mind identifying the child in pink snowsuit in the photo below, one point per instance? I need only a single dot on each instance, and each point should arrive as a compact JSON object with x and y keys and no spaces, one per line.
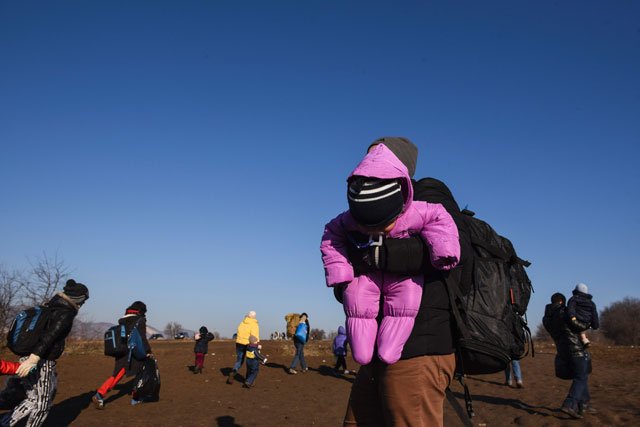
{"x":381,"y":205}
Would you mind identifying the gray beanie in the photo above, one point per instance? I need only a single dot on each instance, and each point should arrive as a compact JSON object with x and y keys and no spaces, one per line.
{"x":405,"y":150}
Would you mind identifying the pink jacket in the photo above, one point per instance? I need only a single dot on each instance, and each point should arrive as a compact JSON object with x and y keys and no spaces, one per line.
{"x":441,"y":234}
{"x":401,"y":294}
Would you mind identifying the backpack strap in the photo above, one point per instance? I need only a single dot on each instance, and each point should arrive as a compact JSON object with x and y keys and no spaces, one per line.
{"x":528,"y":338}
{"x":135,"y":326}
{"x":467,"y":398}
{"x":458,"y":408}
{"x":454,"y":292}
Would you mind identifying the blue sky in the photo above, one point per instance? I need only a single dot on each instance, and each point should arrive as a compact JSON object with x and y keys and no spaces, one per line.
{"x":189,"y":153}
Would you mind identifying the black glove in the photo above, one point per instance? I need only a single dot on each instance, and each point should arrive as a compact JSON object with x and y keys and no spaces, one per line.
{"x":407,"y":257}
{"x":398,"y":256}
{"x":338,"y":293}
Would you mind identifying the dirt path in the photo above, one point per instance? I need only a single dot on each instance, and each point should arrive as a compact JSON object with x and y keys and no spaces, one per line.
{"x":318,"y":398}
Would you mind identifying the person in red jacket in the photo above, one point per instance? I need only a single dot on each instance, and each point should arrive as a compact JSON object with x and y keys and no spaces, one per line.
{"x":8,"y":368}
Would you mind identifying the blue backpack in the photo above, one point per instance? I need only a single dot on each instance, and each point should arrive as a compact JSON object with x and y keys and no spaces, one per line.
{"x":117,"y":343}
{"x":301,"y":333}
{"x":26,"y":329}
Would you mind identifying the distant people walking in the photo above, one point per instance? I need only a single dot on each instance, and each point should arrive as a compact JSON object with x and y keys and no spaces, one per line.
{"x":340,"y":345}
{"x":249,"y":326}
{"x":572,"y":361}
{"x":300,"y":338}
{"x":38,"y":371}
{"x":513,"y":371}
{"x":201,"y":348}
{"x":134,"y":317}
{"x":582,"y":308}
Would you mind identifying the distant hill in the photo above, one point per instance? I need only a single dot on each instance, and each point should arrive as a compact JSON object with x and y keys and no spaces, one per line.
{"x":96,"y":330}
{"x":151,"y":330}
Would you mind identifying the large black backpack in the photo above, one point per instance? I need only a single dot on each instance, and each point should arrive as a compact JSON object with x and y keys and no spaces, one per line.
{"x":489,"y":293}
{"x":490,"y":308}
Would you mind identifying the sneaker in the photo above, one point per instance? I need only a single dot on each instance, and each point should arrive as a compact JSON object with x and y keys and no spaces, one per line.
{"x":519,"y":384}
{"x":264,"y":362}
{"x":571,"y":412}
{"x":292,"y":371}
{"x":247,"y":385}
{"x":98,"y":401}
{"x":230,"y":377}
{"x":508,"y":383}
{"x":586,"y":409}
{"x":305,"y":370}
{"x":346,"y":372}
{"x":134,"y":402}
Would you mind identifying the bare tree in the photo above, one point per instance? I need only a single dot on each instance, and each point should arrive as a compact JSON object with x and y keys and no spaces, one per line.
{"x":317,"y":334}
{"x":10,"y":288}
{"x":45,"y":277}
{"x":620,"y":321}
{"x":541,"y":333}
{"x":172,"y":329}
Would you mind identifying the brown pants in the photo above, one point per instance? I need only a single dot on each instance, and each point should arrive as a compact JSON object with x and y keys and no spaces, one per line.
{"x":408,"y":393}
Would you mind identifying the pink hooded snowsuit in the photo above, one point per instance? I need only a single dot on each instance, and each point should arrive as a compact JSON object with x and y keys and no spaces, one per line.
{"x":401,"y":294}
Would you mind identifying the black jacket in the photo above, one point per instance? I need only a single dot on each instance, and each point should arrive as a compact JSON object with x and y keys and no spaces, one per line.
{"x":51,"y":343}
{"x":132,"y":366}
{"x":202,"y":345}
{"x":564,"y":331}
{"x":582,"y":307}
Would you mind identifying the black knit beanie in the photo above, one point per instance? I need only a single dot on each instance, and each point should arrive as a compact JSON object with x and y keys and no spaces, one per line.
{"x":405,"y":150}
{"x":203,"y":330}
{"x":77,"y":292}
{"x":137,"y":306}
{"x":558,"y":298}
{"x":374,"y":202}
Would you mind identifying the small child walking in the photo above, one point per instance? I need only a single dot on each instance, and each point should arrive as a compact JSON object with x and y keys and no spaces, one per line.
{"x":340,"y":343}
{"x":581,"y":307}
{"x":201,"y":348}
{"x":254,"y":358}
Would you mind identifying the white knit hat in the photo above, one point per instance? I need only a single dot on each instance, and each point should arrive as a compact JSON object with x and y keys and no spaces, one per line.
{"x":581,"y":287}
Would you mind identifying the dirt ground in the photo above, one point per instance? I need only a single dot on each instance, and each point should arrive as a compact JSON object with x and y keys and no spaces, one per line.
{"x":317,"y":397}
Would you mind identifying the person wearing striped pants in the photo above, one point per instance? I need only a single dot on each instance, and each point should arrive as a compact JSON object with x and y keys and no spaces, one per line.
{"x":38,"y":370}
